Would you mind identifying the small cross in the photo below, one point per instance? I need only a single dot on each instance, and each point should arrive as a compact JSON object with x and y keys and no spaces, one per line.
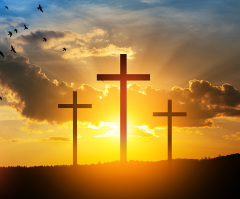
{"x":74,"y":106}
{"x":123,"y":77}
{"x":169,"y":114}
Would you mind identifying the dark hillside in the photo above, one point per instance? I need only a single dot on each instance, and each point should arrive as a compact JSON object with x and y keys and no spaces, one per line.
{"x":208,"y":178}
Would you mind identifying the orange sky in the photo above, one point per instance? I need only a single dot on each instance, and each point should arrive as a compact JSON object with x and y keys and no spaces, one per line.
{"x":192,"y":57}
{"x":29,"y":142}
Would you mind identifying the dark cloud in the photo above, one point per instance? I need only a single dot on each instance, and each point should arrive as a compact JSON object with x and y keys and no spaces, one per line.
{"x":204,"y":101}
{"x":225,"y":95}
{"x":38,"y":35}
{"x":35,"y":94}
{"x":203,"y":92}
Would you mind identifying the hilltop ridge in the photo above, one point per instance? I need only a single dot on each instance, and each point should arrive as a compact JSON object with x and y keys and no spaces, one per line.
{"x":186,"y":178}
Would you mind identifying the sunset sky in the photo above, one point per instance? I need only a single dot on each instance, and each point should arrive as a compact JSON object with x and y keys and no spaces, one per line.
{"x":190,"y":49}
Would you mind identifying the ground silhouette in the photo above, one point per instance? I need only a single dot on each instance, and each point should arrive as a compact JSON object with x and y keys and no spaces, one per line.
{"x":206,"y":178}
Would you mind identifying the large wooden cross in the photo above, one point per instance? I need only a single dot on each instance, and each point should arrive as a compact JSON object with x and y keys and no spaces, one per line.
{"x":123,"y":77}
{"x":74,"y":106}
{"x":169,"y":114}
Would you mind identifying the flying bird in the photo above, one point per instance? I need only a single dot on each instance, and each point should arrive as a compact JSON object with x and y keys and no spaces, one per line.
{"x":12,"y":49}
{"x":6,"y":7}
{"x":64,"y":49}
{"x":44,"y":39}
{"x":10,"y":33}
{"x":40,"y":8}
{"x":1,"y":53}
{"x":16,"y":30}
{"x":25,"y":27}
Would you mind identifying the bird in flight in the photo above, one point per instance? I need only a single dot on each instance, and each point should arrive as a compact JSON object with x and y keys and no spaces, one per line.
{"x":12,"y":49}
{"x":25,"y":27}
{"x":1,"y":53}
{"x":16,"y":30}
{"x":10,"y":33}
{"x":44,"y":39}
{"x":6,"y":7}
{"x":64,"y":49}
{"x":40,"y":8}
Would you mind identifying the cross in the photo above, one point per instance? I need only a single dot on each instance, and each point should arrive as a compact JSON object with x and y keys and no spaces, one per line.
{"x":169,"y":114}
{"x":74,"y":106}
{"x":123,"y":77}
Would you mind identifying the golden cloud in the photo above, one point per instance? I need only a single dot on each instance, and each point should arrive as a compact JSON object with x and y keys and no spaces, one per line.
{"x":95,"y":43}
{"x":233,"y":136}
{"x":149,"y":131}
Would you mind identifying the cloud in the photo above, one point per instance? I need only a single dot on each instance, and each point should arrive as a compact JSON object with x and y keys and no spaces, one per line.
{"x":32,"y":127}
{"x":108,"y":134}
{"x":10,"y":23}
{"x":147,"y":132}
{"x":110,"y":128}
{"x":95,"y":43}
{"x":209,"y":101}
{"x":225,"y":95}
{"x":32,"y":94}
{"x":189,"y":131}
{"x":37,"y":36}
{"x":234,"y":136}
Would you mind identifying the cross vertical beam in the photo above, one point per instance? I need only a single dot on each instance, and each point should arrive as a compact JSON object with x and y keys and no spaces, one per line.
{"x":123,"y":109}
{"x":74,"y":106}
{"x":123,"y":77}
{"x":169,"y":114}
{"x":74,"y":128}
{"x":170,"y":129}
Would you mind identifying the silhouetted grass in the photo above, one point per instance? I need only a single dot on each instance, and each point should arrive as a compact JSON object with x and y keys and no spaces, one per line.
{"x":205,"y":178}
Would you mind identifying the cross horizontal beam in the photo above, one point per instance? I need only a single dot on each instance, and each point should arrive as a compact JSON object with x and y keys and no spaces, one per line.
{"x":169,"y":114}
{"x":77,"y":105}
{"x":126,"y":77}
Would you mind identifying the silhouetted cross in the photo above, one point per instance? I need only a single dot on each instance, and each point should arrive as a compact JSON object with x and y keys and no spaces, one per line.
{"x":169,"y":114}
{"x":123,"y":77}
{"x":74,"y":106}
